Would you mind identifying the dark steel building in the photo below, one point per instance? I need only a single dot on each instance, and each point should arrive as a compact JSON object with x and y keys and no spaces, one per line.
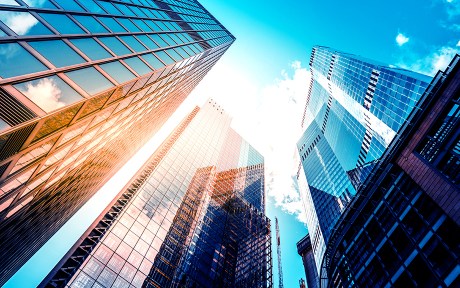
{"x":83,"y":85}
{"x":193,"y":216}
{"x":402,"y":228}
{"x":308,"y":258}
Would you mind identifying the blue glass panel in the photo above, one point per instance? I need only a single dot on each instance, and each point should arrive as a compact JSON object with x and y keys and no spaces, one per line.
{"x":159,"y":40}
{"x":174,"y":54}
{"x":41,"y":4}
{"x":3,"y":125}
{"x":91,"y":24}
{"x":91,"y":6}
{"x":137,"y":65}
{"x":68,"y":5}
{"x":15,"y":61}
{"x":49,"y":93}
{"x":91,"y":48}
{"x":62,"y":23}
{"x":133,"y":43}
{"x":110,"y":8}
{"x":129,"y":25}
{"x":90,"y":80}
{"x":164,"y":57}
{"x":148,"y":42}
{"x":115,"y":45}
{"x":57,"y":52}
{"x":139,"y":23}
{"x":118,"y":72}
{"x":112,"y":24}
{"x":9,"y":2}
{"x":153,"y":61}
{"x":23,"y":23}
{"x":126,"y":11}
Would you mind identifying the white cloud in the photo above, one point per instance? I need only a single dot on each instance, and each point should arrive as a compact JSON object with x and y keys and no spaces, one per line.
{"x":432,"y":63}
{"x":20,"y":23}
{"x":269,"y":118}
{"x":401,"y":39}
{"x":45,"y":93}
{"x":458,"y":43}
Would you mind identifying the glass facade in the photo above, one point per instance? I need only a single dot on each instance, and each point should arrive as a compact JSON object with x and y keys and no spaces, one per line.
{"x":354,"y":108}
{"x":192,"y":217}
{"x":84,"y":77}
{"x":402,"y":230}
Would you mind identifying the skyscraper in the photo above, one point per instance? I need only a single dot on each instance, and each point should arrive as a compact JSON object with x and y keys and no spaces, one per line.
{"x":192,"y":217}
{"x":354,"y":108}
{"x":402,"y":228}
{"x":83,"y":85}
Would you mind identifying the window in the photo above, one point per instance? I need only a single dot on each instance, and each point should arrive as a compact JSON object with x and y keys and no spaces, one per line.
{"x":115,"y":45}
{"x":91,"y":24}
{"x":66,"y":5}
{"x":57,"y":52}
{"x":23,"y":23}
{"x":90,"y":80}
{"x":112,"y":24}
{"x":15,"y":61}
{"x":153,"y":61}
{"x":91,"y":48}
{"x":49,"y":93}
{"x":133,"y":43}
{"x":62,"y":23}
{"x":129,"y":25}
{"x":118,"y":72}
{"x":137,"y":65}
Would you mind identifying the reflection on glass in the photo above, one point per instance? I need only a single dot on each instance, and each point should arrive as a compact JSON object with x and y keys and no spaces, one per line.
{"x":23,"y":23}
{"x":91,"y":24}
{"x":129,"y":25}
{"x":57,"y":52}
{"x":133,"y":43}
{"x":9,"y":2}
{"x":40,"y":4}
{"x":3,"y":125}
{"x":112,"y":24}
{"x":153,"y":61}
{"x":62,"y":23}
{"x":164,"y":57}
{"x":91,"y":48}
{"x":15,"y":60}
{"x":148,"y":42}
{"x":91,"y":6}
{"x":160,"y":40}
{"x":49,"y":93}
{"x":115,"y":45}
{"x":90,"y":80}
{"x":118,"y":72}
{"x":110,"y":8}
{"x":140,"y":67}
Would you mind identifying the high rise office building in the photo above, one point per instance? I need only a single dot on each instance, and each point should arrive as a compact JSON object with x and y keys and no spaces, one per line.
{"x":193,"y":216}
{"x":354,"y":108}
{"x":402,"y":228}
{"x":83,"y":84}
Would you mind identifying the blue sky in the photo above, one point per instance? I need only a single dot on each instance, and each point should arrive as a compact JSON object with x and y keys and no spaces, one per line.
{"x":262,"y":78}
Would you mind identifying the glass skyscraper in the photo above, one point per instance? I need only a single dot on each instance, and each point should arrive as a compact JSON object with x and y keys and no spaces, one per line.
{"x":83,"y":84}
{"x":402,"y":228}
{"x":354,"y":108}
{"x":193,"y":216}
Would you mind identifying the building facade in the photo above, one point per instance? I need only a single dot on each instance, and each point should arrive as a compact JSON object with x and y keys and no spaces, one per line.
{"x":308,"y":259}
{"x":354,"y":108}
{"x":194,"y":216}
{"x":402,"y":229}
{"x":83,"y":84}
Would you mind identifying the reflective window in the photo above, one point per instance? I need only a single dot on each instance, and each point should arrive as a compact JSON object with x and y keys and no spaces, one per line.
{"x":15,"y":61}
{"x":23,"y":23}
{"x":91,"y":24}
{"x":110,"y":8}
{"x":164,"y":57}
{"x":153,"y":61}
{"x":90,"y":80}
{"x":62,"y":23}
{"x":118,"y":72}
{"x":174,"y":54}
{"x":112,"y":24}
{"x":148,"y":42}
{"x":133,"y":43}
{"x":124,"y":9}
{"x":129,"y":25}
{"x":160,"y":40}
{"x":57,"y":52}
{"x":49,"y":93}
{"x":115,"y":45}
{"x":91,"y":6}
{"x":136,"y":64}
{"x":3,"y":125}
{"x":91,"y":48}
{"x":67,"y":5}
{"x":142,"y":25}
{"x":9,"y":2}
{"x":40,"y":4}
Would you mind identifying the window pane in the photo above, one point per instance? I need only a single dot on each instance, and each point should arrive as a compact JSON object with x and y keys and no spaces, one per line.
{"x":91,"y":24}
{"x":110,"y":8}
{"x":164,"y":57}
{"x":153,"y":61}
{"x":91,"y":48}
{"x":15,"y":61}
{"x":112,"y":24}
{"x":3,"y":125}
{"x":9,"y":2}
{"x":49,"y":93}
{"x":160,"y":41}
{"x":115,"y":45}
{"x":118,"y":72}
{"x":133,"y":43}
{"x":62,"y":23}
{"x":90,"y":80}
{"x":91,"y":6}
{"x":23,"y":23}
{"x":129,"y":25}
{"x":68,"y":5}
{"x":148,"y":42}
{"x":140,"y":67}
{"x":57,"y":52}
